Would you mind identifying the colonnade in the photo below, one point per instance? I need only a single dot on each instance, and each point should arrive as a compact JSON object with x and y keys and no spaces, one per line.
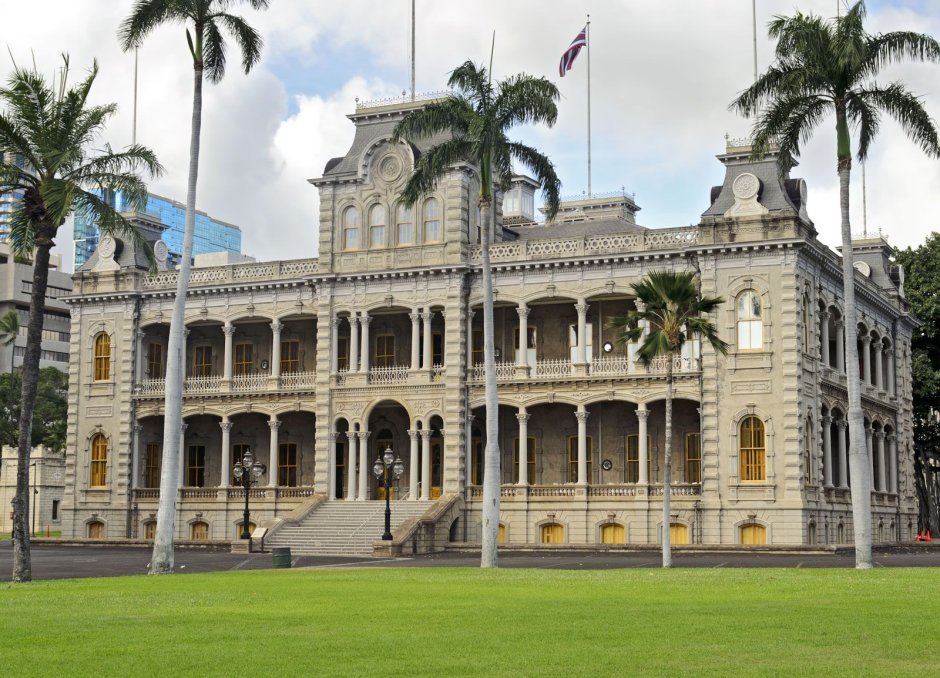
{"x":359,"y":341}
{"x":882,"y":451}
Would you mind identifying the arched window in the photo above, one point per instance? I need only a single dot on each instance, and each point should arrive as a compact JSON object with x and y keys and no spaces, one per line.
{"x":752,"y":451}
{"x":553,"y":533}
{"x":750,"y":328}
{"x":808,"y":449}
{"x":99,"y":461}
{"x":199,"y":531}
{"x":351,"y":229}
{"x":806,"y":332}
{"x":678,"y":534}
{"x":753,"y":534}
{"x":238,"y":529}
{"x":377,"y":226}
{"x":405,"y":226}
{"x":102,"y":357}
{"x":150,"y":530}
{"x":96,"y":530}
{"x":612,"y":534}
{"x":501,"y":534}
{"x":432,"y":221}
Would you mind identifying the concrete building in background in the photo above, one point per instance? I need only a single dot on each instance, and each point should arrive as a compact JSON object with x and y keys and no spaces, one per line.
{"x":16,"y":284}
{"x":47,"y":483}
{"x":211,"y":235}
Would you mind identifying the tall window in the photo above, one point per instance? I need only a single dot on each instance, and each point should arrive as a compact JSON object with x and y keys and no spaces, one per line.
{"x":342,"y":354}
{"x":437,"y":348}
{"x":530,"y":460}
{"x":752,"y":451}
{"x":750,"y":328}
{"x":377,"y":226}
{"x":806,"y":327}
{"x":351,"y":229}
{"x":406,"y":226}
{"x":385,"y":350}
{"x":477,"y":355}
{"x":808,"y":449}
{"x":99,"y":461}
{"x":573,"y":458}
{"x":150,"y":530}
{"x":243,"y":359}
{"x":102,"y":357}
{"x":196,"y":467}
{"x":202,"y":361}
{"x":432,"y":221}
{"x":339,"y":451}
{"x":633,"y":457}
{"x":476,"y":442}
{"x":155,"y":361}
{"x":693,"y":457}
{"x":290,"y":356}
{"x":678,"y":534}
{"x":287,"y":465}
{"x":154,"y":457}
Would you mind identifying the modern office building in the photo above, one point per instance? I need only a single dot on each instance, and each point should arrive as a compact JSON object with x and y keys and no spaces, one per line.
{"x":318,"y":365}
{"x":16,"y":285}
{"x":211,"y":235}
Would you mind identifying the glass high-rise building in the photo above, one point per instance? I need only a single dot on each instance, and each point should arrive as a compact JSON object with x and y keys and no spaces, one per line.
{"x":211,"y":235}
{"x":8,"y":200}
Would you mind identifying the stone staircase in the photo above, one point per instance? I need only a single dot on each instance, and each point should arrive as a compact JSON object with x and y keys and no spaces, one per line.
{"x":340,"y":527}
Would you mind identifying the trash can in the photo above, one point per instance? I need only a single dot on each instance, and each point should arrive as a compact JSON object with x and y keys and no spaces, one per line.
{"x":281,"y":556}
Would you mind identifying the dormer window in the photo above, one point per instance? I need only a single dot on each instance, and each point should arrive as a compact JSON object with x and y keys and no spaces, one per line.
{"x":377,"y":226}
{"x":432,"y":221}
{"x":351,"y":229}
{"x":406,"y":226}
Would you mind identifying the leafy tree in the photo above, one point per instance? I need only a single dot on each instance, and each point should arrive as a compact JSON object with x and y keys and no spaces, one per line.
{"x":825,"y":67}
{"x":49,"y":415}
{"x":208,"y":19}
{"x":922,"y":288}
{"x":52,"y":127}
{"x":9,"y":328}
{"x":475,"y":119}
{"x":673,"y":312}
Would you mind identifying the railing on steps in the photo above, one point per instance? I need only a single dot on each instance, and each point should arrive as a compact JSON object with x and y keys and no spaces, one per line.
{"x":407,"y":533}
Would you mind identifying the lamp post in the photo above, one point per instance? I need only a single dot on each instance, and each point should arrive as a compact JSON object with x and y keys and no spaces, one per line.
{"x":385,"y":476}
{"x":247,"y":471}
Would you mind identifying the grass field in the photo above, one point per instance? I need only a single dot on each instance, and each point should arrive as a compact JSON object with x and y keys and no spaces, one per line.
{"x":468,"y":622}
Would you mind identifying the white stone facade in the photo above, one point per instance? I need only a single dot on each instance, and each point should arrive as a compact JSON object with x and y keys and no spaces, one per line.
{"x":319,"y":364}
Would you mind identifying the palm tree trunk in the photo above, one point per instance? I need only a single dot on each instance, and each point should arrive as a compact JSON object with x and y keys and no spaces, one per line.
{"x":667,"y":468}
{"x":162,"y":559}
{"x":491,"y":470}
{"x":22,"y":559}
{"x":859,"y":464}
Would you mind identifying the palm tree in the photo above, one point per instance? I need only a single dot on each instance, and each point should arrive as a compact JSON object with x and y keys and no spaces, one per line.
{"x":50,"y":128}
{"x":9,"y":328}
{"x":476,"y":118}
{"x":208,"y":19}
{"x":824,"y":67}
{"x":671,"y":311}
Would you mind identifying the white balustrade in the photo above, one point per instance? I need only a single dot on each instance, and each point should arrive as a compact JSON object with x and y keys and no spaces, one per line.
{"x":554,"y":368}
{"x":275,"y":270}
{"x":396,"y":374}
{"x":609,"y":366}
{"x":197,"y":385}
{"x":298,"y":380}
{"x":250,"y":382}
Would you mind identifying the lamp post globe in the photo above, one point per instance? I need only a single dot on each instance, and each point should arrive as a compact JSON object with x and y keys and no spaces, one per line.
{"x":247,"y":471}
{"x":387,"y":468}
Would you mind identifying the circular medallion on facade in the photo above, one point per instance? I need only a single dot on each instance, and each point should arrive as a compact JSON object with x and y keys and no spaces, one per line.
{"x":160,"y":251}
{"x":863,"y":268}
{"x":107,"y":247}
{"x":390,"y":168}
{"x":745,"y":186}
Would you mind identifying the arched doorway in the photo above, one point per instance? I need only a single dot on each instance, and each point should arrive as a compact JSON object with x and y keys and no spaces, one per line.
{"x":388,"y":426}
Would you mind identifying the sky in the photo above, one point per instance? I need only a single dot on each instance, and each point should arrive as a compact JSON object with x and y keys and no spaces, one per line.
{"x":662,"y":76}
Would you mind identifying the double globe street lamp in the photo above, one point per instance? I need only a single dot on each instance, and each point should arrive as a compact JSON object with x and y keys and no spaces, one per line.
{"x":247,"y":472}
{"x":387,"y":468}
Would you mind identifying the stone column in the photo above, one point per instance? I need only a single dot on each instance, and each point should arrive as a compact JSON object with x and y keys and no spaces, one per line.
{"x":522,"y":359}
{"x":642,"y":414}
{"x":425,"y":463}
{"x":878,"y":380}
{"x":228,"y":330}
{"x":334,"y":345}
{"x":470,"y":315}
{"x":364,"y":320}
{"x":135,"y":459}
{"x":363,"y":465}
{"x":866,"y":358}
{"x":468,"y":450}
{"x":274,"y":423}
{"x":840,"y":346}
{"x":226,"y":475}
{"x":182,"y":473}
{"x":427,"y":360}
{"x":871,"y":456}
{"x":893,"y":463}
{"x":523,"y":418}
{"x":331,"y":474}
{"x":276,"y":328}
{"x":352,"y":440}
{"x":582,"y":416}
{"x":582,"y":308}
{"x":415,"y":340}
{"x":824,"y":337}
{"x":879,"y":445}
{"x":843,"y":454}
{"x":413,"y":469}
{"x":827,"y":451}
{"x":353,"y":342}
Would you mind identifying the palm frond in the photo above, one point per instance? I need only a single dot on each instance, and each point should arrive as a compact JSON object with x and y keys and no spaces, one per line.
{"x":544,"y":172}
{"x":889,"y":48}
{"x":453,"y":114}
{"x":249,"y":40}
{"x":908,"y":109}
{"x":113,"y":223}
{"x":22,"y":233}
{"x":866,"y":118}
{"x":473,"y":82}
{"x":523,"y":99}
{"x":213,"y":51}
{"x":145,"y":17}
{"x":790,"y":122}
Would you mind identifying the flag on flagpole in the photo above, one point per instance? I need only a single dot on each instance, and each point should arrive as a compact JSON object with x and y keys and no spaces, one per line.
{"x":567,"y":59}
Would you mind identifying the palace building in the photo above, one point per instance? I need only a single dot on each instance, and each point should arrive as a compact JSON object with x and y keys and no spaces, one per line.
{"x":318,"y":365}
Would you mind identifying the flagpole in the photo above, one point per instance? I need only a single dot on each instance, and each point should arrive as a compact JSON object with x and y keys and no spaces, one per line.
{"x":412,"y":50}
{"x":134,"y":123}
{"x":587,"y":40}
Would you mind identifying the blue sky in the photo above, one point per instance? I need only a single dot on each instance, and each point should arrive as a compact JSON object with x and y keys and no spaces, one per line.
{"x":662,"y":76}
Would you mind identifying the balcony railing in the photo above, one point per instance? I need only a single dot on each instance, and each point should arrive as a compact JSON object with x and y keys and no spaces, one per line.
{"x":237,"y":273}
{"x":609,"y":490}
{"x":395,"y":374}
{"x":200,"y":385}
{"x":246,"y":383}
{"x":250,"y":382}
{"x":563,"y":368}
{"x":153,"y":494}
{"x":298,"y":380}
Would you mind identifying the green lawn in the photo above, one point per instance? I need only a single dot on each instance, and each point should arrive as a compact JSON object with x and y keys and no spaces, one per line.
{"x":459,"y":622}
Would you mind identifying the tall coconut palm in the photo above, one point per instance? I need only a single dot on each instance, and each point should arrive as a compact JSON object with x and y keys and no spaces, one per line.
{"x":672,"y":311}
{"x":475,"y":119}
{"x":207,"y":19}
{"x":50,"y":128}
{"x":825,"y":67}
{"x":9,"y":328}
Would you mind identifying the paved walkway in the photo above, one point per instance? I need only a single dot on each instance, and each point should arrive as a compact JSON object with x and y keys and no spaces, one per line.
{"x":52,"y":561}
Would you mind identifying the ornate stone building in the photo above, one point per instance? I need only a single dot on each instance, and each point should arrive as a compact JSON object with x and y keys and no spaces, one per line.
{"x":317,"y":365}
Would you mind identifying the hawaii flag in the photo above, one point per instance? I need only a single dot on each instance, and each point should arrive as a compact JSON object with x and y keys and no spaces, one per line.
{"x":567,"y":59}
